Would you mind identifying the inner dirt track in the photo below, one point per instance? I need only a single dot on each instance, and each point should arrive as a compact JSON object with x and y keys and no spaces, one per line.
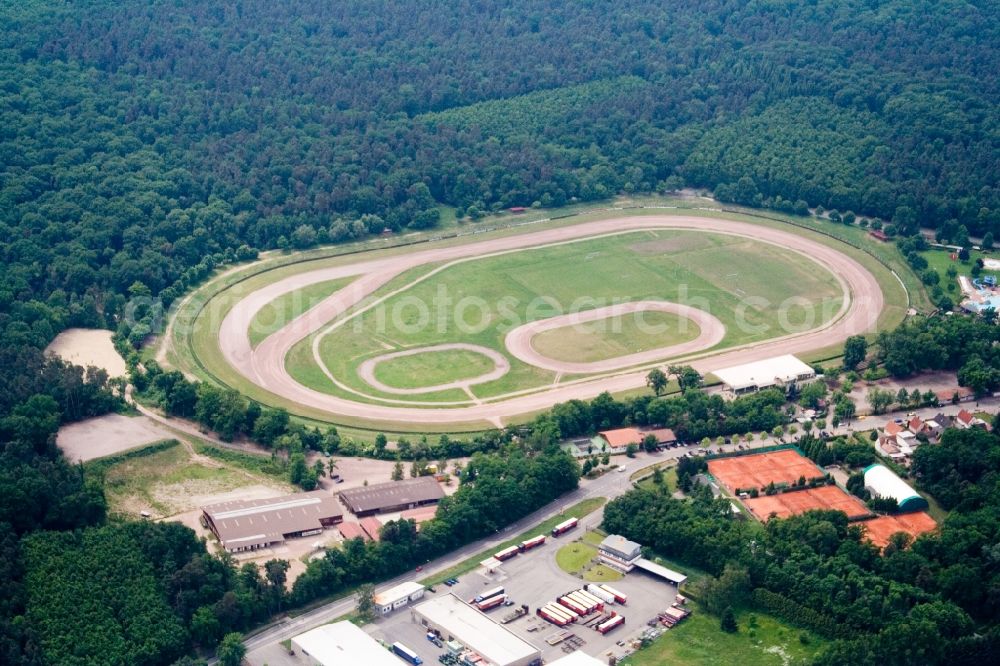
{"x":264,"y":365}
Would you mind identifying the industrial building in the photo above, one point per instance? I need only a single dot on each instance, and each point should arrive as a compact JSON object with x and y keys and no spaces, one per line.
{"x":392,"y":496}
{"x":398,"y":596}
{"x":880,"y":481}
{"x":619,"y":553}
{"x":341,"y":643}
{"x":351,"y":530}
{"x":454,"y":620}
{"x":243,"y":525}
{"x":577,"y":659}
{"x":780,"y":372}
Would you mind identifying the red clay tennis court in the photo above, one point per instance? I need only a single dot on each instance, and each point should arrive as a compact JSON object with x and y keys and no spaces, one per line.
{"x":800,"y":501}
{"x":760,"y":469}
{"x":880,"y":529}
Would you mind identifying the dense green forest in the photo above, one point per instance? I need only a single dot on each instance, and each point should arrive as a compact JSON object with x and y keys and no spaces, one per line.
{"x":145,"y":143}
{"x":933,"y":601}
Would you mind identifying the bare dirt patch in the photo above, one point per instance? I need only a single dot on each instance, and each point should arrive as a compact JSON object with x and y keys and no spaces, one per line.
{"x":86,"y":346}
{"x":108,"y":435}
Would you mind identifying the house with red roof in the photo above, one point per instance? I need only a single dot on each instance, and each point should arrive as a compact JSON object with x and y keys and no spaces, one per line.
{"x":617,"y":440}
{"x":967,"y":419}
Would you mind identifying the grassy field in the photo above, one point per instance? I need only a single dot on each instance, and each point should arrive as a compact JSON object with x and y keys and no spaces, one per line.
{"x":510,"y":289}
{"x":192,"y":343}
{"x":615,"y":336}
{"x":432,"y":368}
{"x":579,"y":510}
{"x":762,"y":640}
{"x":602,"y":574}
{"x":163,"y":481}
{"x":284,"y":309}
{"x":575,"y":556}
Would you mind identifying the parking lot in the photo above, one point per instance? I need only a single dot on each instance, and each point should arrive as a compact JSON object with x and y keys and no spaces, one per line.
{"x":533,"y":578}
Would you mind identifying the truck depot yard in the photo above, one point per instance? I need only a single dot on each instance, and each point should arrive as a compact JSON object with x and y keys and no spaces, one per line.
{"x":535,"y":579}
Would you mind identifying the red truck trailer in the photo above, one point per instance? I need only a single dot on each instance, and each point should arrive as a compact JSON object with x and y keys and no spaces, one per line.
{"x":506,"y":553}
{"x":564,"y":526}
{"x":608,"y":625}
{"x":531,"y":543}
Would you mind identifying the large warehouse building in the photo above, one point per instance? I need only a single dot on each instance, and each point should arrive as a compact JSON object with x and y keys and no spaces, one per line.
{"x":455,"y":620}
{"x":392,"y":496}
{"x":339,"y":644}
{"x":243,"y":525}
{"x":780,"y":372}
{"x":880,"y":481}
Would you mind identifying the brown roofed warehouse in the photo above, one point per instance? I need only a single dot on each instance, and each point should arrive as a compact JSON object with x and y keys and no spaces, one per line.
{"x":251,"y":524}
{"x":391,"y":496}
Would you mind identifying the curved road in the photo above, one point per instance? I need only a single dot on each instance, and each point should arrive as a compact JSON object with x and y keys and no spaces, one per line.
{"x":265,"y":365}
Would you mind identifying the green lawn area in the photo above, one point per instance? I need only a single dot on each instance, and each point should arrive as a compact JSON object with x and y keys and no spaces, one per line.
{"x":284,"y":309}
{"x":578,"y":510}
{"x":615,"y":336}
{"x":669,"y":480}
{"x":432,"y":368}
{"x":575,"y":556}
{"x":602,"y":574}
{"x":698,"y":641}
{"x":671,"y":265}
{"x":940,"y":260}
{"x":594,"y":537}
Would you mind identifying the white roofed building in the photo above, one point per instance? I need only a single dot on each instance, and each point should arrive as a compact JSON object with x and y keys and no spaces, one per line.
{"x":341,"y":643}
{"x":455,"y":620}
{"x":880,"y":481}
{"x":398,"y":596}
{"x":780,"y":372}
{"x":577,"y":659}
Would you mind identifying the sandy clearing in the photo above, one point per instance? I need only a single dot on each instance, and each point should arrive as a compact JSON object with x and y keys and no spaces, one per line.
{"x":264,"y":366}
{"x":501,"y":366}
{"x":107,"y":435}
{"x":88,"y":346}
{"x":518,"y":341}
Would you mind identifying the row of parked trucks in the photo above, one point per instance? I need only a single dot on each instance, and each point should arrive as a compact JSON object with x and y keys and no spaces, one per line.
{"x":522,"y":547}
{"x":587,"y":606}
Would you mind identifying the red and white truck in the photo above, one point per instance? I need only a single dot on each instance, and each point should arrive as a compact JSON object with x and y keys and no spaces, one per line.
{"x":619,"y":597}
{"x":609,"y":624}
{"x":531,"y":543}
{"x":491,"y":603}
{"x":564,"y":526}
{"x":506,"y":553}
{"x":550,"y":613}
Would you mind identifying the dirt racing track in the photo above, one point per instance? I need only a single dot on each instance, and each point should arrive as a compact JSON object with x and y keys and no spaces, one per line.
{"x":264,"y":365}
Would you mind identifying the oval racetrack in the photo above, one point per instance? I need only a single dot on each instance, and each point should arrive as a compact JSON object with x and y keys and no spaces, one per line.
{"x":265,"y":364}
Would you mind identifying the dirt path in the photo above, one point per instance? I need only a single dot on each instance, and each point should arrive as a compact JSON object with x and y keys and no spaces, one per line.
{"x":518,"y":341}
{"x":863,"y":302}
